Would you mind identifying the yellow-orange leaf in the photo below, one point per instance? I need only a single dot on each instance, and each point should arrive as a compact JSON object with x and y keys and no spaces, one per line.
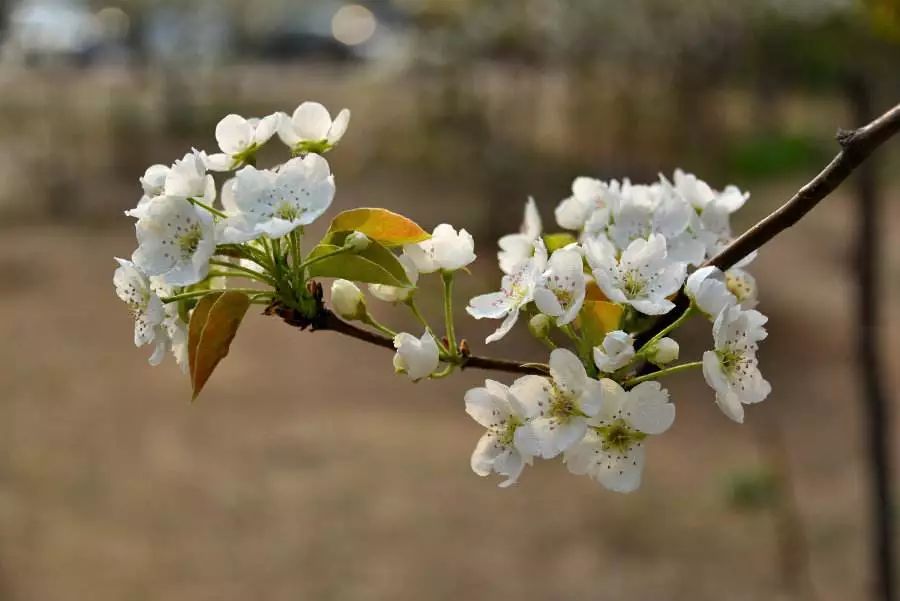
{"x":598,"y":317}
{"x":382,"y":225}
{"x":209,"y":339}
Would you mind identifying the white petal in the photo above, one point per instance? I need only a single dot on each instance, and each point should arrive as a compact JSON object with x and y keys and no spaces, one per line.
{"x":567,"y":370}
{"x":311,"y":121}
{"x":234,"y":134}
{"x":533,"y":395}
{"x":622,"y":473}
{"x":648,"y":408}
{"x":486,"y":407}
{"x":493,"y":305}
{"x":339,"y":127}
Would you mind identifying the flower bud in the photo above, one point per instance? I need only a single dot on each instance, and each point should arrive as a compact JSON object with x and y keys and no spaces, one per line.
{"x":358,"y":240}
{"x":663,"y":352}
{"x":539,"y":326}
{"x":347,"y":300}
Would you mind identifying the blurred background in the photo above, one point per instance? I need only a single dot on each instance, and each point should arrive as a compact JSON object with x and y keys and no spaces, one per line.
{"x":307,"y":470}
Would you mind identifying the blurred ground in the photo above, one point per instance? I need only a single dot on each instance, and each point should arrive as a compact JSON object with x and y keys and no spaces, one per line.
{"x":308,"y":471}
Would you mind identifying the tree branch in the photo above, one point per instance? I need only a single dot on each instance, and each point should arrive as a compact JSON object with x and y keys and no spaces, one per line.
{"x":326,"y":320}
{"x":856,"y":146}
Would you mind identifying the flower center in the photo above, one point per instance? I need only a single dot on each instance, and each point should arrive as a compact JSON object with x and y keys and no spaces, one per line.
{"x":563,"y":296}
{"x":562,"y":404}
{"x":506,"y":435}
{"x":618,"y":436}
{"x":730,"y":359}
{"x":632,"y":284}
{"x":190,"y":240}
{"x":738,"y":286}
{"x":287,"y":211}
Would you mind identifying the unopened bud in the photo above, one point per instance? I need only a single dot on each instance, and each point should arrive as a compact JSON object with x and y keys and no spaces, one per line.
{"x":358,"y":240}
{"x":347,"y":300}
{"x":663,"y":352}
{"x":539,"y":326}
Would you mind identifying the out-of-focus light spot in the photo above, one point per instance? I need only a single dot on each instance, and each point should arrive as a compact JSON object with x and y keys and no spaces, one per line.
{"x":113,"y":22}
{"x":353,"y":24}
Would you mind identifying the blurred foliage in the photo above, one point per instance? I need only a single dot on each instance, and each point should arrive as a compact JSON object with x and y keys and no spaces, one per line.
{"x":752,"y":489}
{"x":773,"y":155}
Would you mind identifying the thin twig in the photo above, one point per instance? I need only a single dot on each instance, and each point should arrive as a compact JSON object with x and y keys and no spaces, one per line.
{"x":856,"y":146}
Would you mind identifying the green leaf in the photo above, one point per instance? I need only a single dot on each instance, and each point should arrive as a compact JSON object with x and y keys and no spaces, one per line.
{"x":558,"y":240}
{"x":373,"y":265}
{"x":598,"y":317}
{"x":213,"y":325}
{"x":381,"y":225}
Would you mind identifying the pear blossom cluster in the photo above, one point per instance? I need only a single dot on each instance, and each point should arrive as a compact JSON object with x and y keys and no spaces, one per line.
{"x":633,"y":250}
{"x":605,"y":290}
{"x":183,"y":233}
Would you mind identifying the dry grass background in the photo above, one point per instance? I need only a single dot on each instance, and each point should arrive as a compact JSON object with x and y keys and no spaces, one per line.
{"x":307,"y":470}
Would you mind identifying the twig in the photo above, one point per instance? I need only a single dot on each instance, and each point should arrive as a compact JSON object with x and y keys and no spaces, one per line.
{"x":856,"y":146}
{"x":326,"y":320}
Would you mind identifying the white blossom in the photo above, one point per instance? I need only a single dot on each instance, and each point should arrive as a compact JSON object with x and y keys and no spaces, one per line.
{"x":187,"y":178}
{"x":446,"y":250}
{"x":590,"y":205}
{"x":175,"y":241}
{"x":616,"y":351}
{"x":274,"y":203}
{"x":642,"y":277}
{"x":311,"y":129}
{"x":557,"y":408}
{"x":495,"y":408}
{"x":153,"y":183}
{"x":395,"y":294}
{"x":239,"y":139}
{"x":663,"y":351}
{"x":347,"y":299}
{"x":561,"y":289}
{"x":612,"y":451}
{"x":707,"y":288}
{"x":516,"y":248}
{"x":516,"y":291}
{"x":417,"y":357}
{"x":714,"y":208}
{"x":732,"y":369}
{"x":743,"y":286}
{"x":134,"y":288}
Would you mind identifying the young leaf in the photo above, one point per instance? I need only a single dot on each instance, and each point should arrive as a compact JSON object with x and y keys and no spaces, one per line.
{"x":373,"y":265}
{"x":558,"y":240}
{"x":217,"y":318}
{"x":195,"y":326}
{"x":597,"y":318}
{"x":381,"y":225}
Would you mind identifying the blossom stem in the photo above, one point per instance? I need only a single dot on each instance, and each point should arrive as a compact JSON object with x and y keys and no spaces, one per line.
{"x":411,"y":303}
{"x":369,"y":320}
{"x":648,"y":346}
{"x":206,"y":207}
{"x":447,"y":278}
{"x":662,"y":372}
{"x":296,"y":260}
{"x":245,"y":272}
{"x":199,"y":293}
{"x":322,"y":257}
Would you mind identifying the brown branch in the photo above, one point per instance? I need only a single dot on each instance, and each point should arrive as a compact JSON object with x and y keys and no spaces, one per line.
{"x":856,"y":146}
{"x":326,"y":320}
